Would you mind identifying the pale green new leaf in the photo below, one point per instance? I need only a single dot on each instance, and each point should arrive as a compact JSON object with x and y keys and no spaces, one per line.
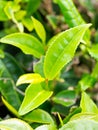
{"x":85,"y":115}
{"x":62,"y":49}
{"x":35,"y":95}
{"x":81,"y":124}
{"x":3,"y":16}
{"x":39,"y":28}
{"x":26,"y":42}
{"x":30,"y":78}
{"x":87,"y":104}
{"x":11,"y":7}
{"x":14,"y":124}
{"x":38,"y":116}
{"x":28,"y":23}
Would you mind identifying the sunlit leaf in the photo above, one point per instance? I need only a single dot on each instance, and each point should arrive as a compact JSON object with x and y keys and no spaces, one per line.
{"x":11,"y":6}
{"x":35,"y":95}
{"x":39,"y":116}
{"x":87,"y":104}
{"x":14,"y":124}
{"x":26,"y":42}
{"x":3,"y":16}
{"x":46,"y":127}
{"x":20,"y":14}
{"x":30,"y":78}
{"x":28,"y":23}
{"x":81,"y":124}
{"x":85,"y":115}
{"x":39,"y":29}
{"x":62,"y":49}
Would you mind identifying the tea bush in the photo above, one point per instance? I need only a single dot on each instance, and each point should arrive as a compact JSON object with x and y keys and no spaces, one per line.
{"x":48,"y":65}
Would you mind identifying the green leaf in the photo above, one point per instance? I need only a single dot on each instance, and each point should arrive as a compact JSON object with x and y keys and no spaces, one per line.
{"x":93,"y":51}
{"x":95,"y":71}
{"x":28,"y":23}
{"x":20,"y":14}
{"x":1,"y":54}
{"x":87,"y":104}
{"x":35,"y":95}
{"x":86,"y":82}
{"x":39,"y":28}
{"x":71,"y":114}
{"x":62,"y":49}
{"x":9,"y":72}
{"x":90,"y":116}
{"x":10,"y":10}
{"x":38,"y":67}
{"x":39,"y":116}
{"x":11,"y":7}
{"x":3,"y":16}
{"x":26,"y":42}
{"x":46,"y":127}
{"x":65,"y":97}
{"x":14,"y":124}
{"x":81,"y":124}
{"x":31,"y":10}
{"x":72,"y":16}
{"x":30,"y":78}
{"x":9,"y":68}
{"x":11,"y":108}
{"x":7,"y":89}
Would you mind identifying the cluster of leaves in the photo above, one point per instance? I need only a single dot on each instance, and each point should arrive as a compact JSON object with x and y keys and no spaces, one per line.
{"x":46,"y":97}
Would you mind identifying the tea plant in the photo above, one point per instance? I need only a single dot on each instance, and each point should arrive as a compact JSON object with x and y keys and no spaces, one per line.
{"x":29,"y":103}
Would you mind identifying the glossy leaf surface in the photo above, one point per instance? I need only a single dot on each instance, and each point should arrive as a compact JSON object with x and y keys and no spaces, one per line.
{"x":70,"y":13}
{"x":87,"y":104}
{"x":62,"y":49}
{"x":81,"y":124}
{"x":14,"y":124}
{"x":30,"y":78}
{"x":72,"y":16}
{"x":39,"y":28}
{"x":39,"y":116}
{"x":35,"y":95}
{"x":27,"y":43}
